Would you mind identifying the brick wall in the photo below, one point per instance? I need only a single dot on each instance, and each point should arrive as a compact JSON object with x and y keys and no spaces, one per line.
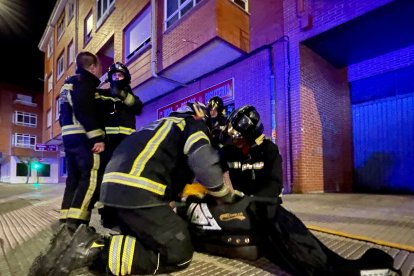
{"x":304,"y":19}
{"x":325,"y":160}
{"x":252,"y":88}
{"x":382,"y":64}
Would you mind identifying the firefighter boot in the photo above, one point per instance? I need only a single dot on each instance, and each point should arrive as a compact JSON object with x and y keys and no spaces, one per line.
{"x":45,"y":262}
{"x":85,"y":249}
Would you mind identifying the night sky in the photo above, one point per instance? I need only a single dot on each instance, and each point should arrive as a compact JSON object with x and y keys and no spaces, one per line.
{"x":22,"y":23}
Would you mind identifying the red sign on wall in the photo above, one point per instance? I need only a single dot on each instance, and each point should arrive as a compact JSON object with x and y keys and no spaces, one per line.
{"x":224,"y":90}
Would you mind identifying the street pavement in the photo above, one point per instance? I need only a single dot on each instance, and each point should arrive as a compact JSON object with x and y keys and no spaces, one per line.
{"x":349,"y":224}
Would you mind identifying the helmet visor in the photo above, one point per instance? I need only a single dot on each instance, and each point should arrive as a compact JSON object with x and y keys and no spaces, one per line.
{"x":234,"y":134}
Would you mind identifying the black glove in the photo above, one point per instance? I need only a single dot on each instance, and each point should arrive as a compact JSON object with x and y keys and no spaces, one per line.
{"x":120,"y":93}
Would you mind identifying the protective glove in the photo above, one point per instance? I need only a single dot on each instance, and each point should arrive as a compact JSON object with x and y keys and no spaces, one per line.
{"x":232,"y":197}
{"x":120,"y":93}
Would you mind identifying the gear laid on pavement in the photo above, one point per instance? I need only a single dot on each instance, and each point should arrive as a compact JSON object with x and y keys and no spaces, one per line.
{"x":45,"y":262}
{"x":84,"y":249}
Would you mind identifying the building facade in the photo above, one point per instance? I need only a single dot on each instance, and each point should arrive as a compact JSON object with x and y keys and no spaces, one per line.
{"x":21,"y":123}
{"x":305,"y":65}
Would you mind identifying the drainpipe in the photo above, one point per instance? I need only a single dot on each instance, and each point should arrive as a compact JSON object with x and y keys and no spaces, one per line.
{"x":285,"y":39}
{"x":154,"y":40}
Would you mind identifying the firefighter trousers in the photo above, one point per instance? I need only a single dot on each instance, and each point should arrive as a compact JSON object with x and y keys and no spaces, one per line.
{"x":82,"y":183}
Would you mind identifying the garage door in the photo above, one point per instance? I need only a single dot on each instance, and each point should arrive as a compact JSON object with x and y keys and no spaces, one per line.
{"x":383,"y":136}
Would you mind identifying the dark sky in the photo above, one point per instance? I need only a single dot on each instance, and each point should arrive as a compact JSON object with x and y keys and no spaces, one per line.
{"x":22,"y":23}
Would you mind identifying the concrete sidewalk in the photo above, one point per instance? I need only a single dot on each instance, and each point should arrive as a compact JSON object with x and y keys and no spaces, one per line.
{"x":347,"y":223}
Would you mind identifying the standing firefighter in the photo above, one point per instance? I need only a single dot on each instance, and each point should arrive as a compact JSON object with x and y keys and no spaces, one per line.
{"x":121,"y":107}
{"x":83,"y":140}
{"x":148,"y":170}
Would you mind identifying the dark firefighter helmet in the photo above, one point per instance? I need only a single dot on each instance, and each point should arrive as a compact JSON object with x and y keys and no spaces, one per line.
{"x":119,"y":67}
{"x":216,"y":103}
{"x":244,"y":122}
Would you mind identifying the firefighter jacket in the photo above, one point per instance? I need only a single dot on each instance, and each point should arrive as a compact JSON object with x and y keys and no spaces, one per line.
{"x":79,"y":113}
{"x":119,"y":114}
{"x":257,"y":173}
{"x":151,"y":166}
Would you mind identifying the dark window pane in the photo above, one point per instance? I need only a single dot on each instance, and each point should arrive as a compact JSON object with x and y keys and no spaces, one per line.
{"x":44,"y":170}
{"x":172,"y":6}
{"x":186,"y":8}
{"x":21,"y":169}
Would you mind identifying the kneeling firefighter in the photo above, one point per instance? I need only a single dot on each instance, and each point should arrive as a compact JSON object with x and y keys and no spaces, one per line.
{"x":148,"y":170}
{"x":258,"y":224}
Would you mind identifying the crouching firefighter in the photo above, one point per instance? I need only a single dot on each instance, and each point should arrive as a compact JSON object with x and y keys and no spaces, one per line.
{"x":148,"y":170}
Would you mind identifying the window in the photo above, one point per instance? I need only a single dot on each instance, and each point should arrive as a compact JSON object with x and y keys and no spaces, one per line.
{"x":61,"y":26}
{"x":50,"y":83}
{"x":44,"y":170}
{"x":88,"y":26}
{"x":25,"y":119}
{"x":241,"y":3}
{"x":49,"y":118}
{"x":60,"y":66}
{"x":21,"y":169}
{"x":50,"y":47}
{"x":103,"y":8}
{"x":57,"y":109}
{"x":24,"y":140}
{"x":71,"y":10}
{"x":71,"y":53}
{"x":175,"y":9}
{"x":137,"y":34}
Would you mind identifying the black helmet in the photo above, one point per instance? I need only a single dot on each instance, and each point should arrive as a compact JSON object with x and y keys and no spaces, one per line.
{"x":217,"y":104}
{"x":244,"y":122}
{"x":119,"y":67}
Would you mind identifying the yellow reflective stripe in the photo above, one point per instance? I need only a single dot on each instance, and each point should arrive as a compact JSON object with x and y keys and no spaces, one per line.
{"x":220,"y":193}
{"x":77,"y":213}
{"x":150,"y":148}
{"x":63,"y":213}
{"x":107,"y":98}
{"x":114,"y":259}
{"x":135,"y":181}
{"x":73,"y":129}
{"x":119,"y":130}
{"x":129,"y":100}
{"x":93,"y":179}
{"x":193,"y":139}
{"x":66,"y":86}
{"x":126,"y":130}
{"x":128,"y":255}
{"x":95,"y":133}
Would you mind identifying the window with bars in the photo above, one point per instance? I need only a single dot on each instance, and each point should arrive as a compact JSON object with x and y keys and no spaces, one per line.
{"x":25,"y":119}
{"x":175,"y":9}
{"x":103,"y":9}
{"x":24,"y":140}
